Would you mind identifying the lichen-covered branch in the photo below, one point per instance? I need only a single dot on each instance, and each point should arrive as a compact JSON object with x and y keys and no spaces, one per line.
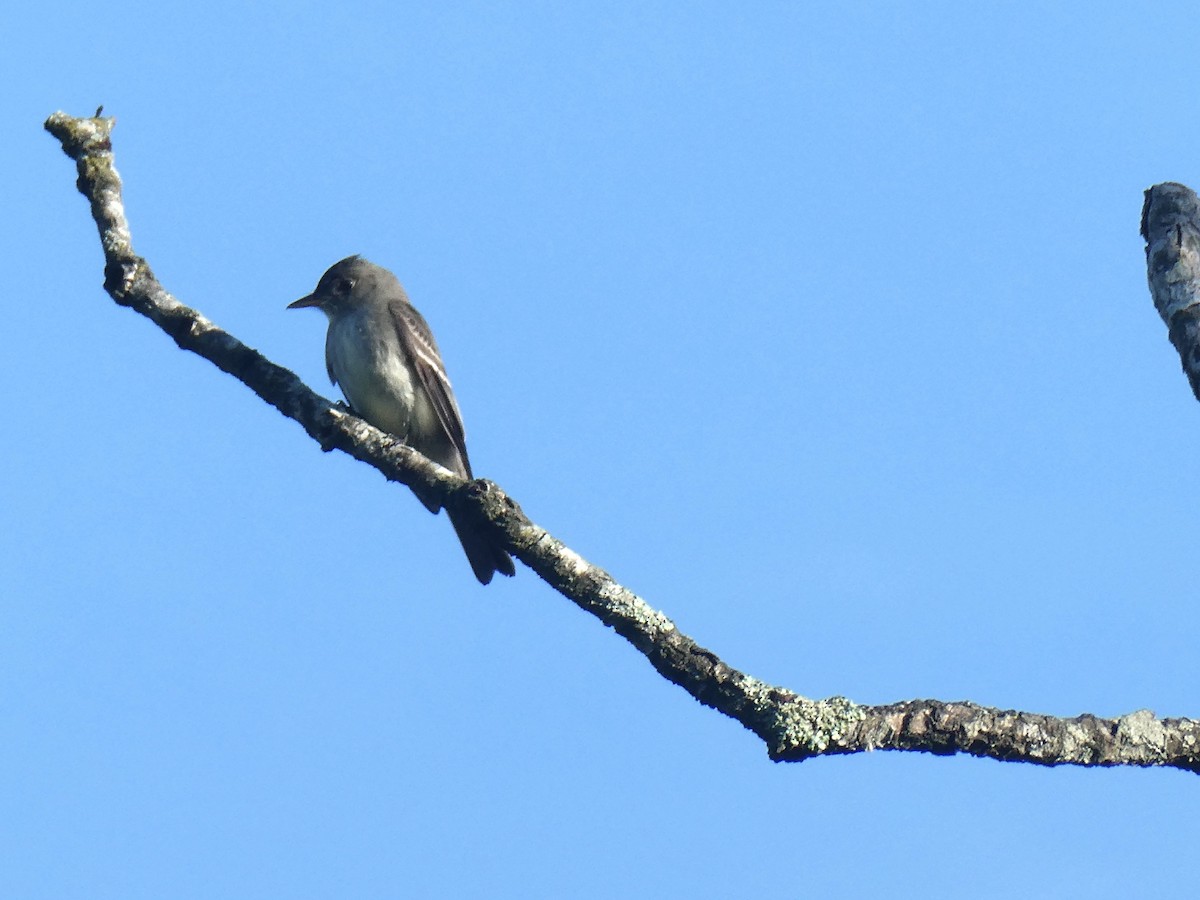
{"x":1171,"y":227}
{"x":792,"y":727}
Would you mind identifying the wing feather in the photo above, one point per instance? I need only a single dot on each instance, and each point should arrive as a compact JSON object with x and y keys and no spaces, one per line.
{"x":417,"y":340}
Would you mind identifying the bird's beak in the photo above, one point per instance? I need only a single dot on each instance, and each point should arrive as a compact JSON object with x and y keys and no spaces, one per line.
{"x":310,"y":300}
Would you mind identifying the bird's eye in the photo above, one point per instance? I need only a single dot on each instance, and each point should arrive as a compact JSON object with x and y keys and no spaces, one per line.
{"x":342,"y":287}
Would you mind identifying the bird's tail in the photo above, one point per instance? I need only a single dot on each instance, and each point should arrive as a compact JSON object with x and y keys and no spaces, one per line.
{"x":485,"y":557}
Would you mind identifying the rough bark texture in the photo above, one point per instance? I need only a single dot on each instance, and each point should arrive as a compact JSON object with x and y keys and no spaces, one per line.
{"x":1171,"y":227}
{"x":792,"y":727}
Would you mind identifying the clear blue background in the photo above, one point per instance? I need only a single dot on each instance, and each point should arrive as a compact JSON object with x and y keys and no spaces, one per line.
{"x":826,"y":330}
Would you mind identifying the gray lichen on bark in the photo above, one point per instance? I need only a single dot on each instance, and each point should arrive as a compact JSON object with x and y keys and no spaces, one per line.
{"x":1171,"y":228}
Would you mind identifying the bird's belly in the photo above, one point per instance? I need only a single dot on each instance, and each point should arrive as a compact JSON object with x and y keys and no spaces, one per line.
{"x":373,"y":375}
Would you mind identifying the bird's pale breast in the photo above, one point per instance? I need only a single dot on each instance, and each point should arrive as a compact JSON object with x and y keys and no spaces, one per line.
{"x":370,"y":367}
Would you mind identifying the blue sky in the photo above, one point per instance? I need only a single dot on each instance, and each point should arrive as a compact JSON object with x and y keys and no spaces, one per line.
{"x":826,"y":330}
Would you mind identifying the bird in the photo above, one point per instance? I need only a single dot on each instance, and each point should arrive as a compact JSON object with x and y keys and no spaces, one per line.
{"x":382,"y":354}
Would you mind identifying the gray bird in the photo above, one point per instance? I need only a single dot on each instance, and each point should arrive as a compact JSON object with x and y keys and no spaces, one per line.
{"x":382,"y":353}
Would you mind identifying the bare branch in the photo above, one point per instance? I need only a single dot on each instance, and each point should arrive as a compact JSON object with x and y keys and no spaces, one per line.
{"x":793,"y":727}
{"x":1171,"y":227}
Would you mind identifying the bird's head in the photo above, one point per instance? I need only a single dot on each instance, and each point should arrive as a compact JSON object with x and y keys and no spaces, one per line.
{"x":344,"y":284}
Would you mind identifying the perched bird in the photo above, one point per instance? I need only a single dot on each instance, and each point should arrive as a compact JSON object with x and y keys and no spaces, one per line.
{"x":382,"y":353}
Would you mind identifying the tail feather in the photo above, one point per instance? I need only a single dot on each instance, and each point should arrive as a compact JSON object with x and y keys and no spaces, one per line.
{"x":485,"y":557}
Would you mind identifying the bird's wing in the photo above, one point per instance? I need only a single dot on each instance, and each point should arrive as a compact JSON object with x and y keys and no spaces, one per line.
{"x":418,"y":343}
